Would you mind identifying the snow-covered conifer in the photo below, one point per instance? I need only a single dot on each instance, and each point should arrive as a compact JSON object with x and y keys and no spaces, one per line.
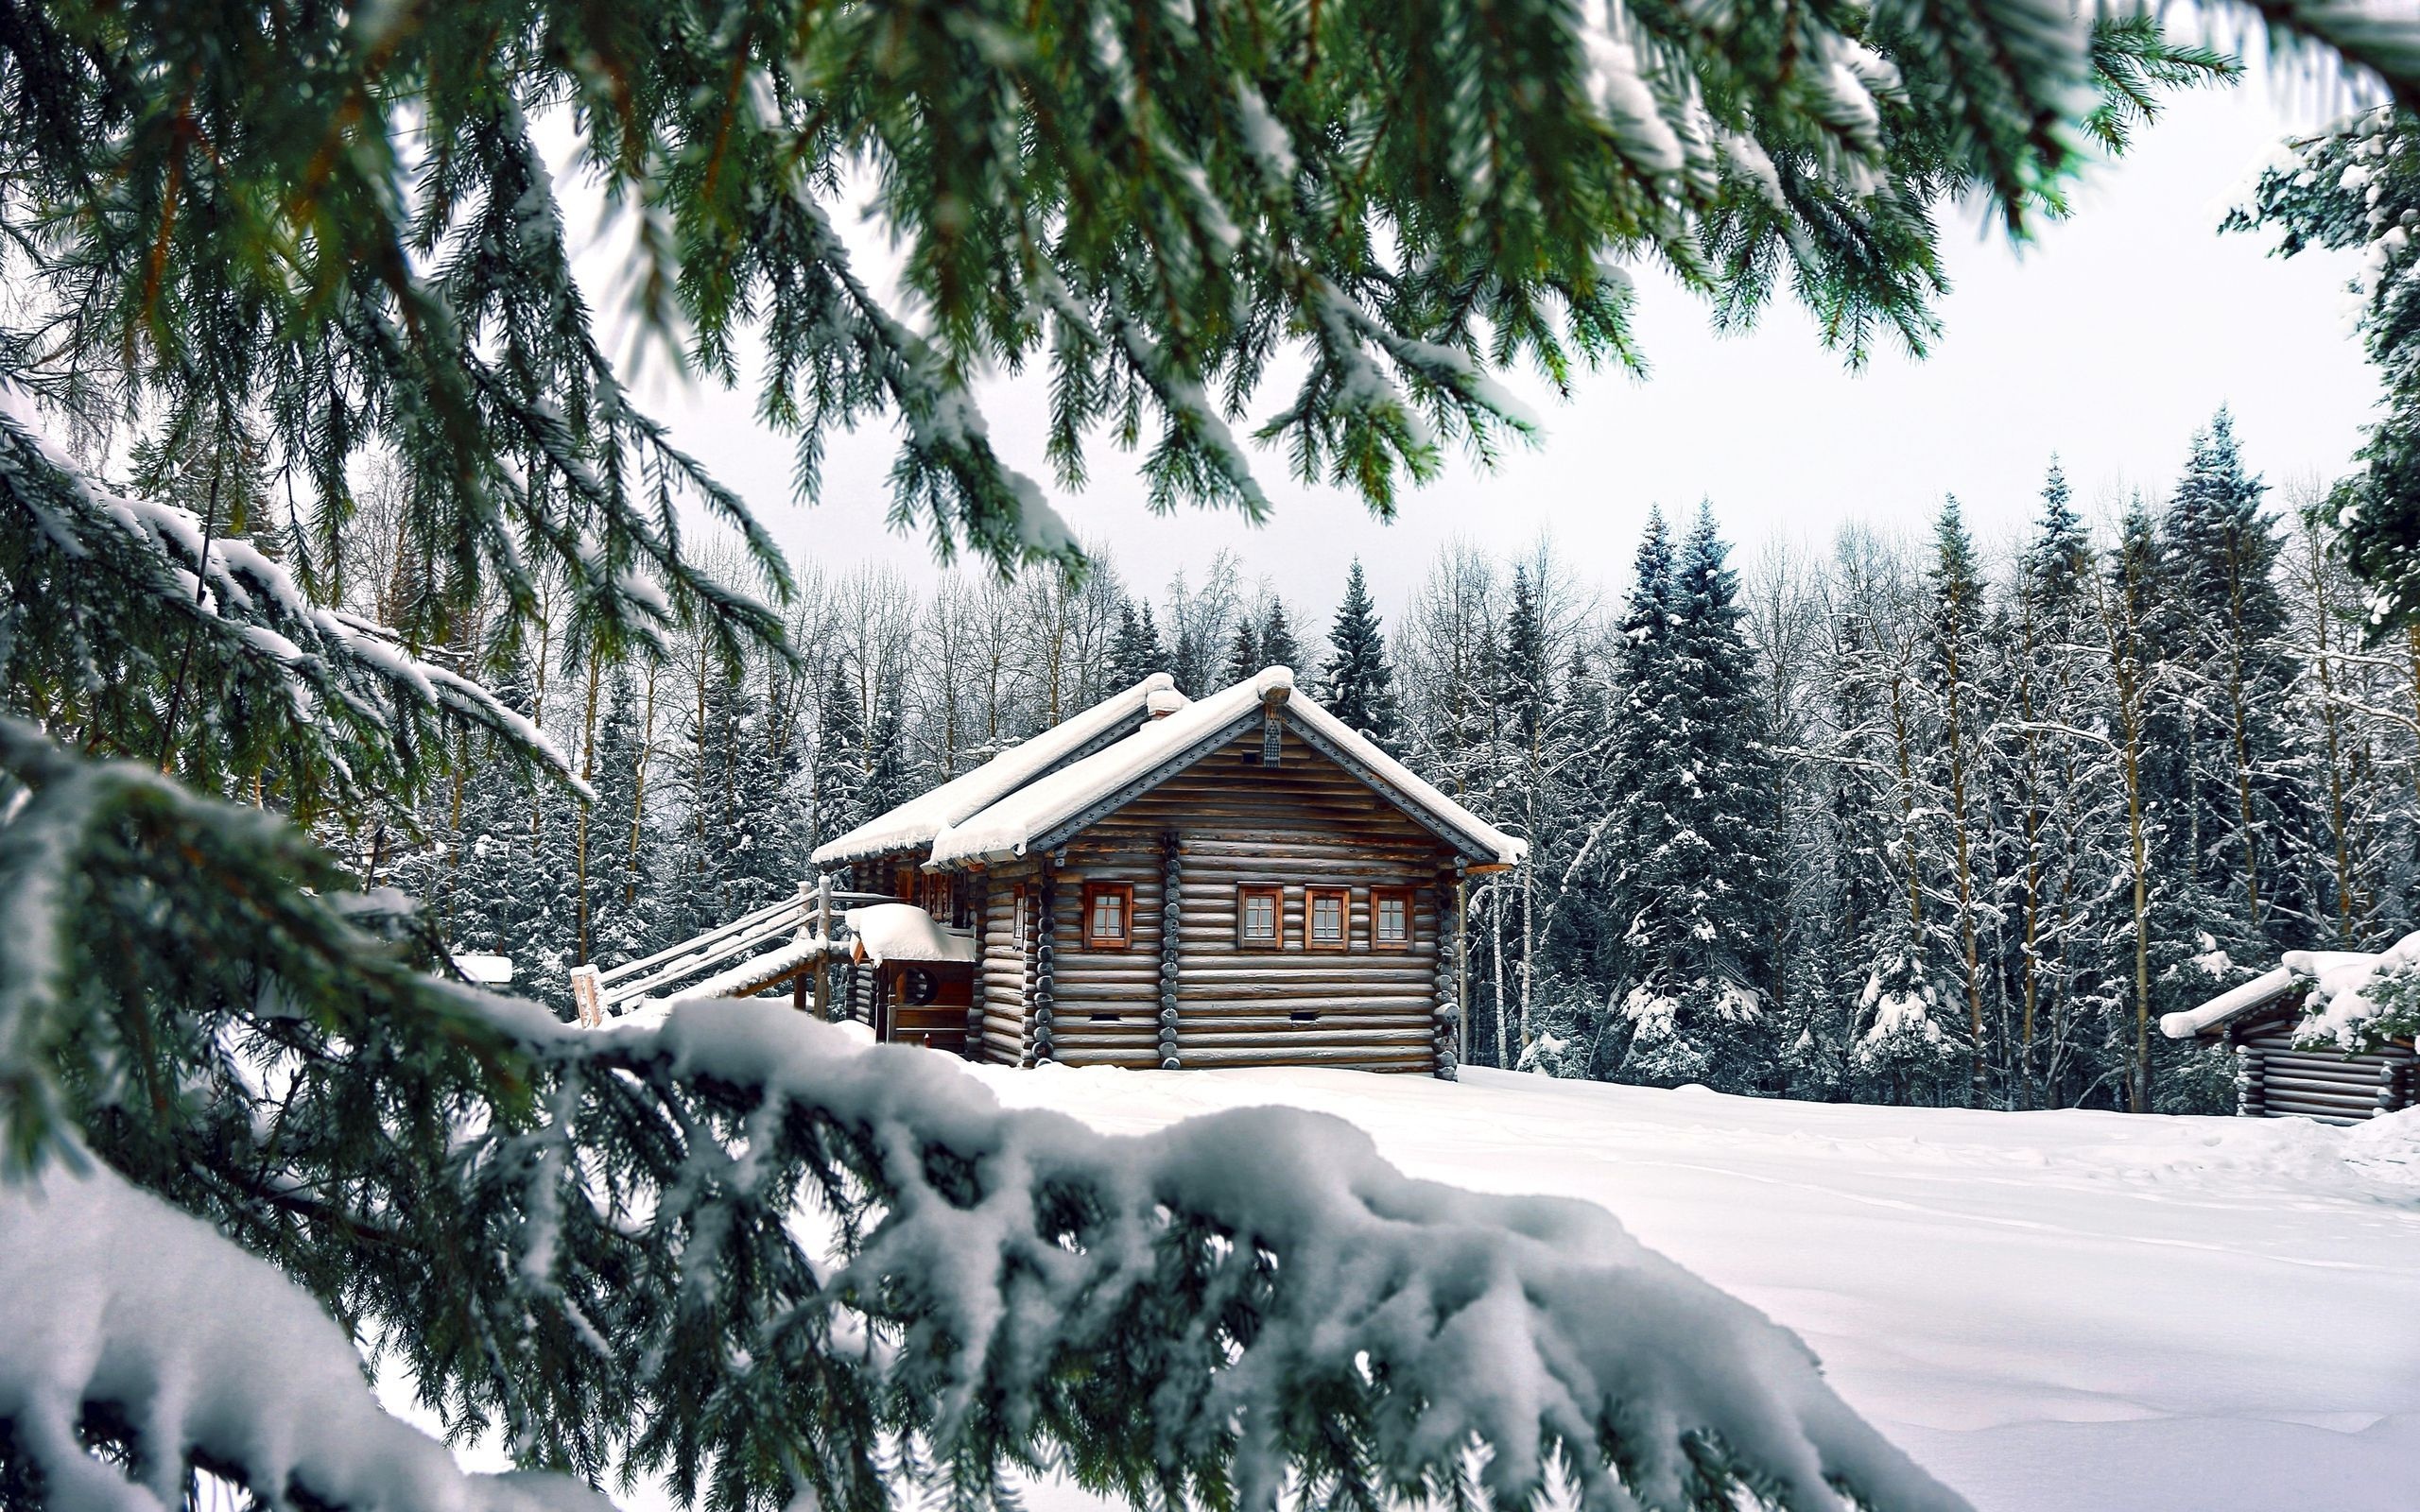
{"x":1135,"y":654}
{"x":1358,"y":682}
{"x":1243,"y":651}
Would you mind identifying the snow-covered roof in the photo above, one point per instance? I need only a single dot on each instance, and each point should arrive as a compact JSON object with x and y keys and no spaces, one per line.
{"x":2266,"y":988}
{"x":1009,"y":827}
{"x":914,"y":823}
{"x":903,"y":932}
{"x":484,"y":969}
{"x":2335,"y":979}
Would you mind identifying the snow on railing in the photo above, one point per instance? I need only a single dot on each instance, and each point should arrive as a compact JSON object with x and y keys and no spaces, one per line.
{"x":746,"y":956}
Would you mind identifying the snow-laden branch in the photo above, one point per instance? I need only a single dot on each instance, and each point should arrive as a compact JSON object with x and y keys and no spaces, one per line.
{"x":117,"y":1309}
{"x":1257,"y":1300}
{"x":316,"y":677}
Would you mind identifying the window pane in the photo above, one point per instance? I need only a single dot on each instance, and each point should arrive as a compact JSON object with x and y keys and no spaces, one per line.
{"x":1260,"y":915}
{"x":1327,"y":917}
{"x":1390,"y":920}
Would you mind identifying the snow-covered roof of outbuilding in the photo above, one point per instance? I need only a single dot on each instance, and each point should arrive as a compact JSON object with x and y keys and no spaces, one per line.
{"x":914,"y":823}
{"x":903,"y":932}
{"x":1170,"y":743}
{"x":2331,"y":976}
{"x":2266,"y":988}
{"x":484,"y":968}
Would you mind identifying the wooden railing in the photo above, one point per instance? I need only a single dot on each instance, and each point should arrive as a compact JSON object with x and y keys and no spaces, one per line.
{"x":777,"y":943}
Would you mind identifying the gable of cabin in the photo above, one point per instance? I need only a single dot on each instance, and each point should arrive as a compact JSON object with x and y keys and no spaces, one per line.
{"x":1241,"y":911}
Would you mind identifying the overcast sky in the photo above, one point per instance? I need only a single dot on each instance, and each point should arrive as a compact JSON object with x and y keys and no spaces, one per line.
{"x":2108,"y":341}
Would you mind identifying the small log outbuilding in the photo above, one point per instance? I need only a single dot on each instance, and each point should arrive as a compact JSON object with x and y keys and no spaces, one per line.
{"x":2281,"y":1076}
{"x":1159,"y":882}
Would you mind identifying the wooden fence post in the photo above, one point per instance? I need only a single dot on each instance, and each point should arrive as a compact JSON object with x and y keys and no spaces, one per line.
{"x":587,"y":1000}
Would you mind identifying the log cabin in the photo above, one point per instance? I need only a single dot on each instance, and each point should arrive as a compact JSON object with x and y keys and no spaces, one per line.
{"x":1164,"y":883}
{"x":2280,"y":1075}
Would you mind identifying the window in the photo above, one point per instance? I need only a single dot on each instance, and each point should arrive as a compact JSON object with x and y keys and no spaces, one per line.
{"x":1109,"y":915}
{"x":933,"y":895}
{"x":1391,"y":918}
{"x":1328,"y":912}
{"x":1024,"y":916}
{"x":1259,"y":912}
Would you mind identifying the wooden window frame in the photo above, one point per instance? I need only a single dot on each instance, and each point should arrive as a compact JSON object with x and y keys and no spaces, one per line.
{"x":1124,"y":892}
{"x":1245,"y":892}
{"x":1410,"y":919}
{"x":1344,"y":941}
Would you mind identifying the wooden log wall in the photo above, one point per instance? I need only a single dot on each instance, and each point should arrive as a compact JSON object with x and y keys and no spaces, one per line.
{"x":1304,"y":823}
{"x":2281,"y":1080}
{"x":978,"y":909}
{"x":1000,"y":973}
{"x":1107,"y":1002}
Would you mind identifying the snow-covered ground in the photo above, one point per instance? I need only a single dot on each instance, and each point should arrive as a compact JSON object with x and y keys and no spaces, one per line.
{"x":2051,"y":1310}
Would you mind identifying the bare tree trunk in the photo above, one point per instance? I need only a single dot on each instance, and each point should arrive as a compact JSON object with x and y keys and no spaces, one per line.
{"x":2331,"y":720}
{"x":1963,"y":842}
{"x":638,"y":786}
{"x":579,"y":831}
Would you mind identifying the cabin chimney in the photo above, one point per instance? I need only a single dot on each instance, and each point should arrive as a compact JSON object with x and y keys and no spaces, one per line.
{"x":1272,"y":699}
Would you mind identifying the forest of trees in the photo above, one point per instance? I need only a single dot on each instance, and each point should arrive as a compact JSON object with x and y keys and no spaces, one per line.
{"x":1902,"y":819}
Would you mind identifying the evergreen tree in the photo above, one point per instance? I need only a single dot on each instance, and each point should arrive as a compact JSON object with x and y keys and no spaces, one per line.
{"x":840,"y":761}
{"x":1902,"y":1043}
{"x":1691,"y":768}
{"x":1189,"y":663}
{"x":1525,"y":700}
{"x":1358,"y":682}
{"x":1872,"y":923}
{"x":1135,"y":653}
{"x":2242,"y":775}
{"x":510,"y":892}
{"x":620,"y":905}
{"x":1277,"y":646}
{"x":1954,"y":629}
{"x":1573,"y":940}
{"x":2155,"y":864}
{"x":2044,"y":666}
{"x":2355,"y":185}
{"x":889,"y":779}
{"x":1243,"y":653}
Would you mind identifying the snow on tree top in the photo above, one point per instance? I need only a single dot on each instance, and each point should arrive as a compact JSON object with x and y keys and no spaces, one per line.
{"x":903,"y":932}
{"x":1009,"y":826}
{"x":916,"y":822}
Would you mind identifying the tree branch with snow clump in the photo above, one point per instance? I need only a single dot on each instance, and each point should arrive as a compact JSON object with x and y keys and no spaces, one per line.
{"x":104,"y":583}
{"x":1233,"y":1310}
{"x":125,"y":1321}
